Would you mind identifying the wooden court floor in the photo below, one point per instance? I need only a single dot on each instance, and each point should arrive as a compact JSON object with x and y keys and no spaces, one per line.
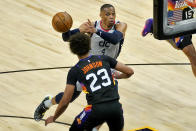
{"x":159,"y":96}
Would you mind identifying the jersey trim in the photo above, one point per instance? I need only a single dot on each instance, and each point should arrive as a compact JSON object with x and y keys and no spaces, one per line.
{"x":103,"y":28}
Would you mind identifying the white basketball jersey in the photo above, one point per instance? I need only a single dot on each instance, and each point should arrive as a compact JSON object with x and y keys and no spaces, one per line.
{"x":99,"y":46}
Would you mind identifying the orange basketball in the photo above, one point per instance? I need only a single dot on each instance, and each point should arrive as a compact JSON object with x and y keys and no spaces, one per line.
{"x":62,"y":22}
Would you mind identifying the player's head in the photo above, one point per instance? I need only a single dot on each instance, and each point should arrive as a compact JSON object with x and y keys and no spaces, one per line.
{"x":79,"y":44}
{"x":108,"y":14}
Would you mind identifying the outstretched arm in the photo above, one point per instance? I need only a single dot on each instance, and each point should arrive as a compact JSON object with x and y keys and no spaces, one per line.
{"x":84,"y":28}
{"x":63,"y":104}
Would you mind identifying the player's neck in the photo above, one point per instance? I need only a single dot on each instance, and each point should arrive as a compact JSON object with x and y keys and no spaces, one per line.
{"x":105,"y":27}
{"x":83,"y":57}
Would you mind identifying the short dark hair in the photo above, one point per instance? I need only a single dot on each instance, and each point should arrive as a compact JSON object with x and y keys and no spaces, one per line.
{"x":79,"y":44}
{"x":106,"y":6}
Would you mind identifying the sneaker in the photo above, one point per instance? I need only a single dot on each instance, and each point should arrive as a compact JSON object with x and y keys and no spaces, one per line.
{"x":148,"y":27}
{"x":41,"y":109}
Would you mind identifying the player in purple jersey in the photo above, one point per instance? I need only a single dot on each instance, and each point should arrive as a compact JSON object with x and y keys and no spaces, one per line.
{"x":94,"y":74}
{"x":183,"y":43}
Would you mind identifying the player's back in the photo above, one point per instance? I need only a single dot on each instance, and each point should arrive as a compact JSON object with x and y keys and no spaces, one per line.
{"x":94,"y":74}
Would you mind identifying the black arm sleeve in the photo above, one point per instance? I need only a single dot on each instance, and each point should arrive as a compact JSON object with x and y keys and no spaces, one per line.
{"x":67,"y":35}
{"x":114,"y":37}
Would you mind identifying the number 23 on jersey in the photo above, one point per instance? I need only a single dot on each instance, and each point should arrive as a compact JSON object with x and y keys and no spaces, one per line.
{"x":105,"y":79}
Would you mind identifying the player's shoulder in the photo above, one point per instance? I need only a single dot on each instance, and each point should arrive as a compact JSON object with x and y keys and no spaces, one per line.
{"x":103,"y":57}
{"x":97,"y":57}
{"x":121,"y":24}
{"x":73,"y":69}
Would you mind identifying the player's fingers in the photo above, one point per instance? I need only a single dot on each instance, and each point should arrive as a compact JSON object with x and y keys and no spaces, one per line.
{"x":89,"y":22}
{"x":85,"y":24}
{"x":46,"y":122}
{"x":49,"y":120}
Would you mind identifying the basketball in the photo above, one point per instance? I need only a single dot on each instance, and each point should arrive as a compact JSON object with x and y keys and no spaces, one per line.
{"x":62,"y":22}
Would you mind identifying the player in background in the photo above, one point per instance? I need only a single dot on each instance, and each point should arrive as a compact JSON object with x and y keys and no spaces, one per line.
{"x":94,"y":74}
{"x":183,"y":43}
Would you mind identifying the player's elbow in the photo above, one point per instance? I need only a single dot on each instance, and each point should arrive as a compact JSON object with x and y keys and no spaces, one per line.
{"x":117,"y":37}
{"x":114,"y":42}
{"x":129,"y":73}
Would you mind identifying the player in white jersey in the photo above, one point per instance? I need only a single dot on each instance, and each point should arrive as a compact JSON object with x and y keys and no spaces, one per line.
{"x":103,"y":47}
{"x":107,"y":37}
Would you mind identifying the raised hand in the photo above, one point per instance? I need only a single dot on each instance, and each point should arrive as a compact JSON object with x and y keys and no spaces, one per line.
{"x":87,"y":27}
{"x":84,"y":28}
{"x":92,"y":29}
